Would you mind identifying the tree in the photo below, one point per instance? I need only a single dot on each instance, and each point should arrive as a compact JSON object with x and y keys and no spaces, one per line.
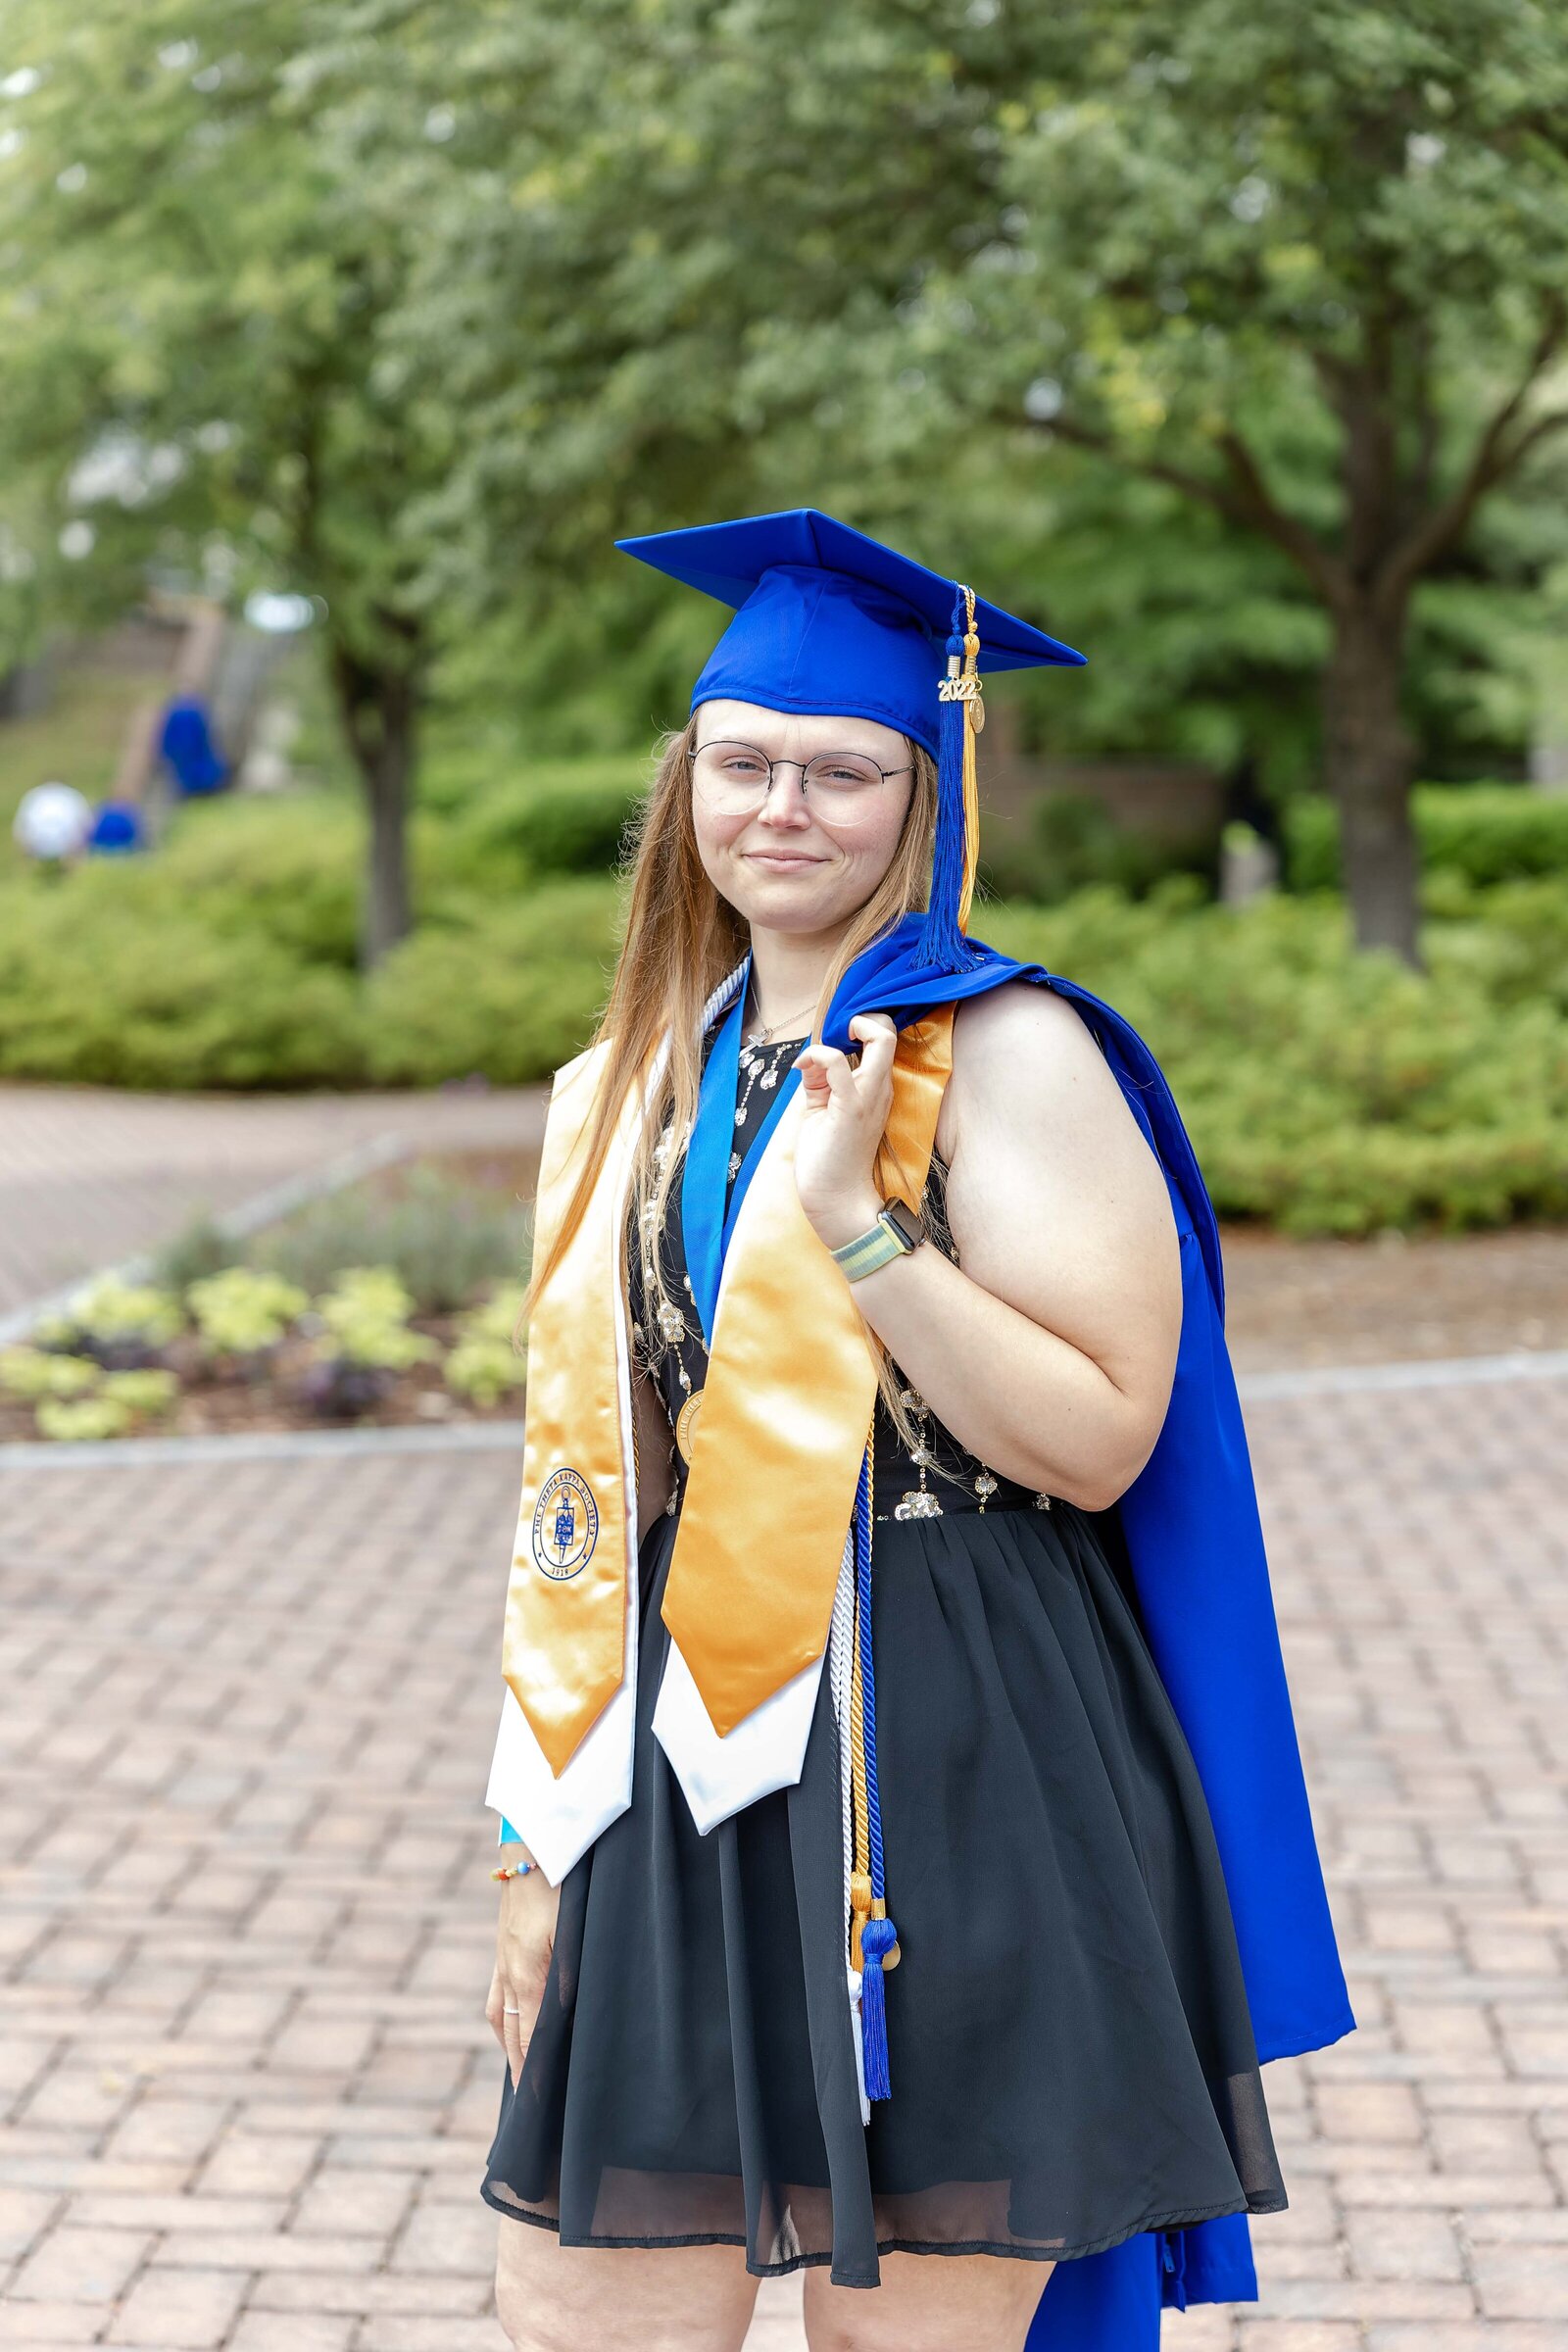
{"x":1307,"y":267}
{"x":194,"y":256}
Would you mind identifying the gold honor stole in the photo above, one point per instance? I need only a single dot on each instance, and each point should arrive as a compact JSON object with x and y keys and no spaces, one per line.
{"x":783,"y":1423}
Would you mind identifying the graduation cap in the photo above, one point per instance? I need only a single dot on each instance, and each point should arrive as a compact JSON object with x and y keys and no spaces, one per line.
{"x":828,"y":621}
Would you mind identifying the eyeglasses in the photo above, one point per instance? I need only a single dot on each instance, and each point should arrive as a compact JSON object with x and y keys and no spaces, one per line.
{"x":736,"y":778}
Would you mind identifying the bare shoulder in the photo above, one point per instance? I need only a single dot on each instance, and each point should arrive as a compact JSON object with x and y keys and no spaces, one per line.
{"x":1023,"y":1057}
{"x":1056,"y":1200}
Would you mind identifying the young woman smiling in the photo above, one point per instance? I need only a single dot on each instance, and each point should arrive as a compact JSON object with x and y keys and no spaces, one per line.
{"x":881,"y":1481}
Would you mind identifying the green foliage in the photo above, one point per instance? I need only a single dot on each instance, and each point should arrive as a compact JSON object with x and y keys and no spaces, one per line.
{"x":100,"y":988}
{"x":280,"y":869}
{"x":199,"y":1249}
{"x":244,"y":1309}
{"x":365,"y":1315}
{"x":1073,"y":842}
{"x":146,"y":1393}
{"x":1484,"y":832}
{"x":509,"y":993}
{"x":32,"y":1373}
{"x":567,"y":820}
{"x":1331,"y":1092}
{"x":85,"y":1422}
{"x":75,"y":1397}
{"x":444,"y":1241}
{"x":484,"y":1363}
{"x":109,"y":1310}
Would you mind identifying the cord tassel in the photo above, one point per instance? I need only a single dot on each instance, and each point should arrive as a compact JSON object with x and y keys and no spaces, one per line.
{"x":956,"y":853}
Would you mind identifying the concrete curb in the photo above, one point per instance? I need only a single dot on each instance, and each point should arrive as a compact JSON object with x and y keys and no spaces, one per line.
{"x":505,"y":1437}
{"x":268,"y":1446}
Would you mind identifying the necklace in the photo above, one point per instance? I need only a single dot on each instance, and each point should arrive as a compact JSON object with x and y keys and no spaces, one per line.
{"x":757,"y":1066}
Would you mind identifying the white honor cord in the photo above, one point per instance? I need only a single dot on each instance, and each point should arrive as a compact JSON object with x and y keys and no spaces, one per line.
{"x":725,"y":994}
{"x":840,"y":1661}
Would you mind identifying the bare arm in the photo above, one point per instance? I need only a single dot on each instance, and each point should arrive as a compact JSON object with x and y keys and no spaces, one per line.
{"x":1050,"y":1348}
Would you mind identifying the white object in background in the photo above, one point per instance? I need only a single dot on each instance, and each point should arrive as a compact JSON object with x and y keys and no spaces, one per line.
{"x":52,"y":820}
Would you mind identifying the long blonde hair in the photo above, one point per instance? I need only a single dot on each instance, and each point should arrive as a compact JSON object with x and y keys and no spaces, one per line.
{"x":681,"y":940}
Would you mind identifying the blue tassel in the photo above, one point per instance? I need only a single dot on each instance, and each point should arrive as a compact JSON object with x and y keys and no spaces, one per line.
{"x":878,"y":1936}
{"x":942,"y":946}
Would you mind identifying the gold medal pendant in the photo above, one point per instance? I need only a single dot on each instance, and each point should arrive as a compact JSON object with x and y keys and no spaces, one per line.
{"x":686,"y":1425}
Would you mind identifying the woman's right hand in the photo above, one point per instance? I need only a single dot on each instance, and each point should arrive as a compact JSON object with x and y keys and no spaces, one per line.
{"x":525,"y":1937}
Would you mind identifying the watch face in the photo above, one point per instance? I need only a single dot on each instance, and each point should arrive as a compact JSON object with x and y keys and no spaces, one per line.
{"x":900,"y":1214}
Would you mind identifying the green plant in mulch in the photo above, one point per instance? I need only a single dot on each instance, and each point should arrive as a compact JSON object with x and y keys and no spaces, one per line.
{"x":30,"y":1374}
{"x":85,"y":1421}
{"x":243,"y":1313}
{"x":483,"y":1363}
{"x":144,"y":1394}
{"x":74,"y":1399}
{"x":122,"y":1325}
{"x":364,"y":1342}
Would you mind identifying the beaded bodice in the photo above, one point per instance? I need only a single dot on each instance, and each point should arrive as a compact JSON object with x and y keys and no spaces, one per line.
{"x":937,"y":1476}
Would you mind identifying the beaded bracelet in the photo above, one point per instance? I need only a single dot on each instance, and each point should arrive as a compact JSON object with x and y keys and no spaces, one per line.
{"x":513,"y":1870}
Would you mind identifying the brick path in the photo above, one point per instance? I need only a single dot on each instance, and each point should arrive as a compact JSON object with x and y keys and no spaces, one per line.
{"x":247,"y":2092}
{"x":89,"y":1174}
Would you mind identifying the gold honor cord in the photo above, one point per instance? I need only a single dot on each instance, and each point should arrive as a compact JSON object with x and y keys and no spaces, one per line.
{"x":964,"y":684}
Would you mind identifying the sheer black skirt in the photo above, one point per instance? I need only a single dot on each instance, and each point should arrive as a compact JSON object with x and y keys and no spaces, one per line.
{"x":1070,"y":2052}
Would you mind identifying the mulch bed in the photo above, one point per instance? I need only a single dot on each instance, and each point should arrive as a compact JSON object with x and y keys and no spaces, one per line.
{"x":210,"y":1405}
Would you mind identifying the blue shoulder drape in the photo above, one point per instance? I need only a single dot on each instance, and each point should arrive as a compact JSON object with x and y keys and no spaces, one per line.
{"x":1194,"y":1545}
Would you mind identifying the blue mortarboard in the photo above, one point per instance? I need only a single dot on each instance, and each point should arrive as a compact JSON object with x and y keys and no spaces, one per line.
{"x":830,"y":621}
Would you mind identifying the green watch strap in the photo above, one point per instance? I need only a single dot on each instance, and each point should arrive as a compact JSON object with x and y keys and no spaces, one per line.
{"x":875,"y":1247}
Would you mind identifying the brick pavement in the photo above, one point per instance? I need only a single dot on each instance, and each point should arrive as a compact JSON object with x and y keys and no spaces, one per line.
{"x":246,"y":2093}
{"x":90,"y":1174}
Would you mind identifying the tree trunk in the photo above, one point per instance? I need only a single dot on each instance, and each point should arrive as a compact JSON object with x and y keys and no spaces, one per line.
{"x":380,"y":707}
{"x":1370,"y":763}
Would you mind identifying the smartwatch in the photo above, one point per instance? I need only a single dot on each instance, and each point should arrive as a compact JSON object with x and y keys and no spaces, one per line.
{"x":897,"y":1231}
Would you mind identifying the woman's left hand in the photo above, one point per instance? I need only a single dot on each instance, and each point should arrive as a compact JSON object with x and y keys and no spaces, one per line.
{"x":846,"y":1107}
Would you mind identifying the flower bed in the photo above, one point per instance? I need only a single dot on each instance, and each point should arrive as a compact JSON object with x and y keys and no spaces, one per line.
{"x":393,"y":1303}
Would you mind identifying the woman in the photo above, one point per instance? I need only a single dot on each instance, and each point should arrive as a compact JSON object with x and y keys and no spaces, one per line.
{"x":858,"y":1573}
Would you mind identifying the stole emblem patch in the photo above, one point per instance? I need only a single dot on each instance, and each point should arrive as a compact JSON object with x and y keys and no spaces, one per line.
{"x":566,"y":1524}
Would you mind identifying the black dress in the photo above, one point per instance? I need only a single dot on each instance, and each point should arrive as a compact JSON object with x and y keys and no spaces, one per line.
{"x":1070,"y":2052}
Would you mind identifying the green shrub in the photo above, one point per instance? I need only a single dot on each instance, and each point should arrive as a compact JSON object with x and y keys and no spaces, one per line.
{"x":1072,"y":842}
{"x":283,"y":869}
{"x":1324,"y":1090}
{"x":1484,"y":832}
{"x":509,"y":995}
{"x":99,"y":989}
{"x":564,"y":817}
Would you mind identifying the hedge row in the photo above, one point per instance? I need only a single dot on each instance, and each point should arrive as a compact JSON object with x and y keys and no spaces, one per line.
{"x":1484,"y":832}
{"x":1326,"y":1092}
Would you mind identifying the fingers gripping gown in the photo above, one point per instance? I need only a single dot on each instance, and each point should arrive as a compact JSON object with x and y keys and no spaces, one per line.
{"x":1070,"y":2051}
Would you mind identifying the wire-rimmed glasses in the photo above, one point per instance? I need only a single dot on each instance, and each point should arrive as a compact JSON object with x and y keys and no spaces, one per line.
{"x":735,"y":779}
